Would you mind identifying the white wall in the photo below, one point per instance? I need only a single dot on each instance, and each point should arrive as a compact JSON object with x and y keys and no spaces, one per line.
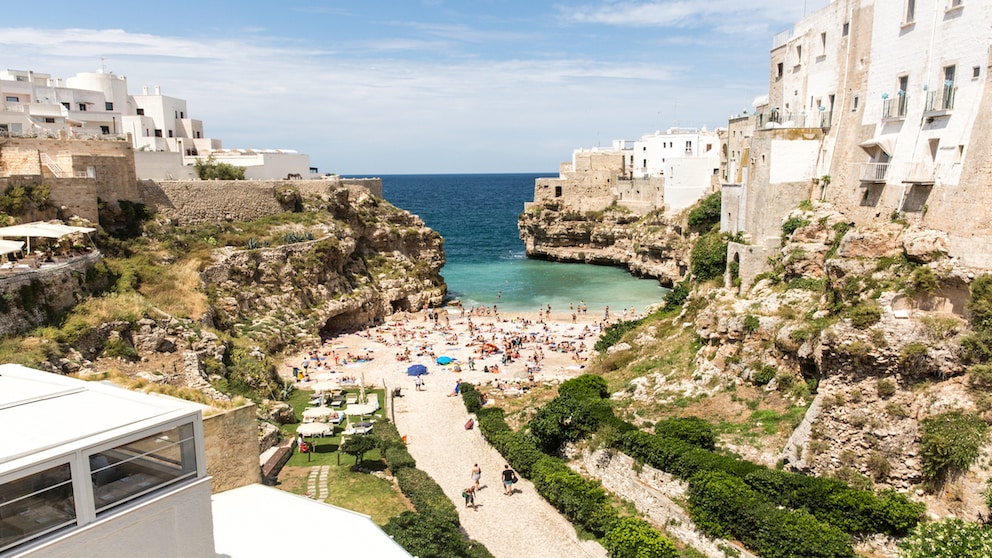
{"x":689,"y":178}
{"x":179,"y":523}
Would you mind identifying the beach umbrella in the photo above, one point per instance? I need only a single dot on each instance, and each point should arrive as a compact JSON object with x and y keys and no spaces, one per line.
{"x":325,"y":385}
{"x":317,"y":412}
{"x":442,"y":360}
{"x":416,"y":370}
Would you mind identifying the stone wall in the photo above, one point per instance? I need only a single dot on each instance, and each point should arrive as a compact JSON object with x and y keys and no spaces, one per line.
{"x":231,"y":446}
{"x":652,"y":491}
{"x":32,"y":296}
{"x":587,"y":184}
{"x":209,"y":201}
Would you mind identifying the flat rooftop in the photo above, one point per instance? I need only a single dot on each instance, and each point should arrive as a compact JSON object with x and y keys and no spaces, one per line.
{"x":47,"y":414}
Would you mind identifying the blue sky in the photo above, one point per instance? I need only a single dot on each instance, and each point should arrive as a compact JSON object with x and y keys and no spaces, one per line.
{"x":419,"y":86}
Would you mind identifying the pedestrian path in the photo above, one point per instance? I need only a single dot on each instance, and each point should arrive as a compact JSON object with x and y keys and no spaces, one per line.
{"x":522,"y":524}
{"x":317,"y":482}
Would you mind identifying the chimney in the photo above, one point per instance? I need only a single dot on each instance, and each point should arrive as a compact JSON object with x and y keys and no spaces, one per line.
{"x":144,"y":90}
{"x":158,"y":90}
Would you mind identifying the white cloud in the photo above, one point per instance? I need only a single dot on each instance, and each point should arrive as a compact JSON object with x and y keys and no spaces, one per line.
{"x":389,"y":114}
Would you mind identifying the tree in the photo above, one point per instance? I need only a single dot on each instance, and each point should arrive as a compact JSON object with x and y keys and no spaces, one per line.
{"x":358,"y":445}
{"x":211,"y":170}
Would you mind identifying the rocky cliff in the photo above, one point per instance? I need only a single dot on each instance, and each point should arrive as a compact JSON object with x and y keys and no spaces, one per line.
{"x":649,"y":246}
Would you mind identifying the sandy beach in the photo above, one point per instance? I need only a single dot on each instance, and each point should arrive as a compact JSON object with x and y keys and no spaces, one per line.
{"x":540,"y":348}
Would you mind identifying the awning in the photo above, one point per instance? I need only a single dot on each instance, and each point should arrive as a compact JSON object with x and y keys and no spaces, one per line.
{"x":10,"y":246}
{"x":887,"y":145}
{"x":40,"y":229}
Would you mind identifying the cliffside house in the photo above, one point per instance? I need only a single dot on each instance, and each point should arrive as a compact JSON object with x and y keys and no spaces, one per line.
{"x":880,"y":108}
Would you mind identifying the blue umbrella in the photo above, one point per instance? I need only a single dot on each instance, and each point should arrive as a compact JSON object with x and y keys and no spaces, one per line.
{"x":416,"y":370}
{"x":442,"y":360}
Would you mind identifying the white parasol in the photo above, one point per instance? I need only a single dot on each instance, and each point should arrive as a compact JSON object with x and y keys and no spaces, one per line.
{"x":314,"y":429}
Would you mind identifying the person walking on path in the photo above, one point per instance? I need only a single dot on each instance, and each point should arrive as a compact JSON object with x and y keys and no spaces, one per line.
{"x":469,"y":495}
{"x":476,"y":475}
{"x":508,"y":477}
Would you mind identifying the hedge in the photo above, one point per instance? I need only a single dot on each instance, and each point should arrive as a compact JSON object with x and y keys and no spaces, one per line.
{"x":635,"y":538}
{"x":852,"y":510}
{"x":723,"y":505}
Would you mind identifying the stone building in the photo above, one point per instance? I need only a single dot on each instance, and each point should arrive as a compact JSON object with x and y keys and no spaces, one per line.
{"x":876,"y":106}
{"x":166,"y":141}
{"x":667,"y":170}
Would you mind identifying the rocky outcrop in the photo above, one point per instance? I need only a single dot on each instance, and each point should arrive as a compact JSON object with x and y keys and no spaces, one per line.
{"x":648,"y":246}
{"x":367,"y":260}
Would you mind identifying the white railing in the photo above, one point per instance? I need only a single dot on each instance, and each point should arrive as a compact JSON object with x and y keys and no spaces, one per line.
{"x":52,"y":166}
{"x":874,"y":172}
{"x":781,"y":38}
{"x":778,"y":119}
{"x":941,"y":99}
{"x":895,"y":108}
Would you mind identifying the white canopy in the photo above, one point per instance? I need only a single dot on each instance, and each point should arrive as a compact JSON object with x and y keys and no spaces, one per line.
{"x":41,"y":229}
{"x":314,"y":429}
{"x":10,"y":246}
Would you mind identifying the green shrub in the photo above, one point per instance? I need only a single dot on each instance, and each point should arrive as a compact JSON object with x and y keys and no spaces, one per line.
{"x":751,"y":323}
{"x":427,"y":535}
{"x":708,"y":259}
{"x":792,"y":224}
{"x":864,"y":316}
{"x":886,"y":387}
{"x":763,"y":374}
{"x":950,"y":443}
{"x":209,"y":169}
{"x":676,"y":297}
{"x":613,"y":333}
{"x":923,"y":281}
{"x":980,"y":304}
{"x":567,"y":419}
{"x":634,"y":538}
{"x":119,"y":348}
{"x":425,"y":494}
{"x":948,"y":538}
{"x":707,"y":213}
{"x":581,"y":500}
{"x":586,"y":386}
{"x":980,"y":377}
{"x":693,"y":430}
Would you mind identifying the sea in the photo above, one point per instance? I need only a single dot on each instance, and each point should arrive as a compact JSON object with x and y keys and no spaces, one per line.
{"x":486,"y":264}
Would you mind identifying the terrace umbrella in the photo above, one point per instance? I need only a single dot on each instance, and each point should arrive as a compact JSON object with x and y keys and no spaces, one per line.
{"x":416,"y":370}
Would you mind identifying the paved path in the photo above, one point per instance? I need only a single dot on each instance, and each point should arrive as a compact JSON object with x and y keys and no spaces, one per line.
{"x":523,"y":524}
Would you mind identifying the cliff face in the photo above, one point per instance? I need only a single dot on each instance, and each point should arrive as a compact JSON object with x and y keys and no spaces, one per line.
{"x":648,"y":246}
{"x":367,"y":260}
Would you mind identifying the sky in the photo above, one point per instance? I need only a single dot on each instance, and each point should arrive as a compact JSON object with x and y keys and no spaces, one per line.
{"x":375,"y":87}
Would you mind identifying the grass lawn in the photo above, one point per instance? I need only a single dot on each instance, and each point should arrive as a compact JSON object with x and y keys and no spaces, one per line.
{"x":349,"y":489}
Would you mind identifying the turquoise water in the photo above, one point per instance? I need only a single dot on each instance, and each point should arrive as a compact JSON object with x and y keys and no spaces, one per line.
{"x":477,"y":216}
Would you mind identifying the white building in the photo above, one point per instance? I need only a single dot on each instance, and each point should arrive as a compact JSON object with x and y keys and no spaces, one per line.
{"x":687,"y":159}
{"x":880,"y":107}
{"x":167,"y":142}
{"x":89,"y":469}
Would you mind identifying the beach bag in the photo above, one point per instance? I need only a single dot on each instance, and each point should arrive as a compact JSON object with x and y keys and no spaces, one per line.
{"x":513,"y":478}
{"x":469,"y":424}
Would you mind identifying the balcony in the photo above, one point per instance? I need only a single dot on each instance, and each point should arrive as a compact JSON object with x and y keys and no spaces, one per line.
{"x":940,"y":101}
{"x":920,"y":173}
{"x":777,"y":119}
{"x":895,"y":108}
{"x":874,"y":172}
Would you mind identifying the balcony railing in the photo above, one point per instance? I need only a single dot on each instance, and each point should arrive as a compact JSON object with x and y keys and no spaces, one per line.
{"x":941,"y":99}
{"x":895,"y":108}
{"x":778,"y":119}
{"x":874,"y":172}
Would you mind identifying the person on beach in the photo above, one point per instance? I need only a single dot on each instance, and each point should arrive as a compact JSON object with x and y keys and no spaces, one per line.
{"x":476,"y":475}
{"x":469,"y":495}
{"x":458,"y":388}
{"x":508,"y":476}
{"x":418,"y":382}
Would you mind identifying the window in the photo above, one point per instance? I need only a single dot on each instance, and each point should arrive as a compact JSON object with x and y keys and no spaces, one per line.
{"x":140,"y":112}
{"x":910,"y":12}
{"x":846,"y":30}
{"x":170,"y":133}
{"x":66,"y":105}
{"x":976,"y":71}
{"x":557,"y":191}
{"x":35,"y":505}
{"x":854,"y":104}
{"x":12,"y":99}
{"x":158,"y":133}
{"x":125,"y":472}
{"x":688,"y":147}
{"x":108,"y":105}
{"x":49,"y":120}
{"x":779,"y":70}
{"x":823,"y":44}
{"x":799,"y":54}
{"x":82,"y":107}
{"x":955,"y":4}
{"x":104,"y":129}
